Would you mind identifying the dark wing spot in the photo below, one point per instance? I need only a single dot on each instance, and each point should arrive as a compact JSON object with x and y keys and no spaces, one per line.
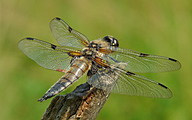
{"x":58,"y":18}
{"x":172,"y":59}
{"x":162,"y":85}
{"x":30,"y":38}
{"x":70,"y":54}
{"x":53,"y":46}
{"x":70,"y":29}
{"x":130,"y":73}
{"x":143,"y":55}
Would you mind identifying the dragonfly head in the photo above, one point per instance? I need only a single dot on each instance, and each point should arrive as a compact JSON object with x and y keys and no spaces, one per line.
{"x":113,"y":42}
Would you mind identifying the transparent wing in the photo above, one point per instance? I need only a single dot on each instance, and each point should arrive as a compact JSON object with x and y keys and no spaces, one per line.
{"x":128,"y":83}
{"x":138,"y":85}
{"x":47,"y":55}
{"x":66,"y":36}
{"x":143,"y":63}
{"x":106,"y":78}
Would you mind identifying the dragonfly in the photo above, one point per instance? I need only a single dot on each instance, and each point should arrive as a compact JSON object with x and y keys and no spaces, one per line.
{"x":108,"y":66}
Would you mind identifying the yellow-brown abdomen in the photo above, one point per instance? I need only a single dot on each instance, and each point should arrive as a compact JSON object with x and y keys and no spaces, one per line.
{"x":78,"y":68}
{"x":76,"y":71}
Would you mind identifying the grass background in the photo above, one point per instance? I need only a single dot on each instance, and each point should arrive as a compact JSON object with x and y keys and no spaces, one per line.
{"x":150,"y":26}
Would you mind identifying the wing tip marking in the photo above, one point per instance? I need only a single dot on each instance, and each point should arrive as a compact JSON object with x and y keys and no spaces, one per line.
{"x":69,"y":28}
{"x":28,"y":38}
{"x":58,"y":18}
{"x":172,"y":59}
{"x":163,"y":85}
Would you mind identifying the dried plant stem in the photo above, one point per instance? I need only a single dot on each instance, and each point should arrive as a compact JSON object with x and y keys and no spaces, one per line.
{"x":84,"y":103}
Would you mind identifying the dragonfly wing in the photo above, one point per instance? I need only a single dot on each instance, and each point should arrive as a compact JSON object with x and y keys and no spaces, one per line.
{"x":66,"y":36}
{"x":143,"y":63}
{"x":106,"y":78}
{"x":47,"y":55}
{"x":133,"y":84}
{"x":128,"y":83}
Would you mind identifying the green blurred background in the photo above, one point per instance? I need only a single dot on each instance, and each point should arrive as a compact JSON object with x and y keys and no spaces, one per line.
{"x":150,"y":26}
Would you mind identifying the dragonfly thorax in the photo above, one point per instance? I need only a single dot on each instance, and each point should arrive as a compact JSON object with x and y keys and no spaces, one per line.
{"x":89,"y":54}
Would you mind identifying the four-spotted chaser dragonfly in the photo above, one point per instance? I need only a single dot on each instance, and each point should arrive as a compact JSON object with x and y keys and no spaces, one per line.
{"x":107,"y":65}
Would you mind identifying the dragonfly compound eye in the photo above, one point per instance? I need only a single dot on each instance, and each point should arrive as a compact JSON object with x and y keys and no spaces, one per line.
{"x":111,"y":40}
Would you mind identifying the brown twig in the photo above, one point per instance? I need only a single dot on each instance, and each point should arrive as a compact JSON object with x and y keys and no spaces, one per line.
{"x":84,"y":103}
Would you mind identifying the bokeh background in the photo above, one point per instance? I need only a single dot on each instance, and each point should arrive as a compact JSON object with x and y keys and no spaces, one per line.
{"x":150,"y":26}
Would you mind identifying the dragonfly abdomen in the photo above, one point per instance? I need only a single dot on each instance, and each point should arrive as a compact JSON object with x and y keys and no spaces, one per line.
{"x":75,"y":72}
